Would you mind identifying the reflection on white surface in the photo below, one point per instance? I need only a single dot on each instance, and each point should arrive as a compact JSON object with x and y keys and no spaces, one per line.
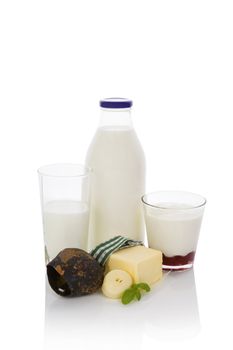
{"x":174,"y":313}
{"x":169,"y":311}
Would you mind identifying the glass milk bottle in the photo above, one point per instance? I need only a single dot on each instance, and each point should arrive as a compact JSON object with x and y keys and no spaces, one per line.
{"x":118,"y":180}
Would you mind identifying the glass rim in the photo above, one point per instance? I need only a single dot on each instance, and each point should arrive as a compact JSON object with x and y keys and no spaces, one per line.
{"x":80,"y":173}
{"x":203,"y":200}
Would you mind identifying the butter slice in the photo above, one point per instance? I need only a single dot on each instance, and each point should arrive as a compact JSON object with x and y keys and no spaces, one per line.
{"x":143,"y":264}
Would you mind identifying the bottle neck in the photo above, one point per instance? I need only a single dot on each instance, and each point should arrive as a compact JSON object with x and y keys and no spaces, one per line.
{"x":115,"y":118}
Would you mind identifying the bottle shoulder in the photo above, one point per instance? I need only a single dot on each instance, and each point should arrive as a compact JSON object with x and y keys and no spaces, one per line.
{"x":114,"y":137}
{"x":114,"y":149}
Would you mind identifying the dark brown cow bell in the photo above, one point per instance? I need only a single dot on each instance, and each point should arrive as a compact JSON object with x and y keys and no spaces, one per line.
{"x":74,"y":272}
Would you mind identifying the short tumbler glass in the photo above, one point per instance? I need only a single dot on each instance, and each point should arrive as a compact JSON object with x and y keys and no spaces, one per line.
{"x":64,"y":190}
{"x":173,"y":220}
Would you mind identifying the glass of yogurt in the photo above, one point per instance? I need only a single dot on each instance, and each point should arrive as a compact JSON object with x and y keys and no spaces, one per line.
{"x":65,"y":202}
{"x":173,"y":220}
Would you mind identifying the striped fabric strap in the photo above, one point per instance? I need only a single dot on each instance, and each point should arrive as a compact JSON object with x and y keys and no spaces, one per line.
{"x":102,"y":251}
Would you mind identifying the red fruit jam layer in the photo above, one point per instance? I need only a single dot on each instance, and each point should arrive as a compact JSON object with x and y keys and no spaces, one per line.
{"x":178,"y":260}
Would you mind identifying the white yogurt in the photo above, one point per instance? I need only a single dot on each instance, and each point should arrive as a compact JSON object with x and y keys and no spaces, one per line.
{"x":173,"y":228}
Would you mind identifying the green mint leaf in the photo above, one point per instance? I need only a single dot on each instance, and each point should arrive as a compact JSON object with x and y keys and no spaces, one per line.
{"x":134,"y":287}
{"x":138,"y":294}
{"x":144,"y":286}
{"x":128,"y":296}
{"x":134,"y":291}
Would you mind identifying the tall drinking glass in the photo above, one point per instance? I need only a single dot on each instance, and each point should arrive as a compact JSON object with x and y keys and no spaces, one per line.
{"x":65,"y":192}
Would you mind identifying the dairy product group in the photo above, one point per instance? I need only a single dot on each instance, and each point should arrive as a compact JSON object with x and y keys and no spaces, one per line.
{"x":75,"y":222}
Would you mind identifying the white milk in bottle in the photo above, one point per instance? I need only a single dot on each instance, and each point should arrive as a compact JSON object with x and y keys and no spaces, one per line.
{"x":118,"y":180}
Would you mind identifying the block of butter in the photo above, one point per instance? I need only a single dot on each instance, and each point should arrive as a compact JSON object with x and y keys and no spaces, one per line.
{"x":143,"y":264}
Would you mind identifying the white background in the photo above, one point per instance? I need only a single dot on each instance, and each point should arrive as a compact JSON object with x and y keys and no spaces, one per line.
{"x":174,"y":59}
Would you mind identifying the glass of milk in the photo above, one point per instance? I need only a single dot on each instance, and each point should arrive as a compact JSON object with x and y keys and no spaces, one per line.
{"x":173,"y":220}
{"x":65,"y":192}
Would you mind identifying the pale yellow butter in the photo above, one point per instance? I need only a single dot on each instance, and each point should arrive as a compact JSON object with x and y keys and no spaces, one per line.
{"x":143,"y":264}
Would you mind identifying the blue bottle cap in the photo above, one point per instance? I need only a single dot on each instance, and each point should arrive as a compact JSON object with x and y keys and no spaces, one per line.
{"x":116,"y":102}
